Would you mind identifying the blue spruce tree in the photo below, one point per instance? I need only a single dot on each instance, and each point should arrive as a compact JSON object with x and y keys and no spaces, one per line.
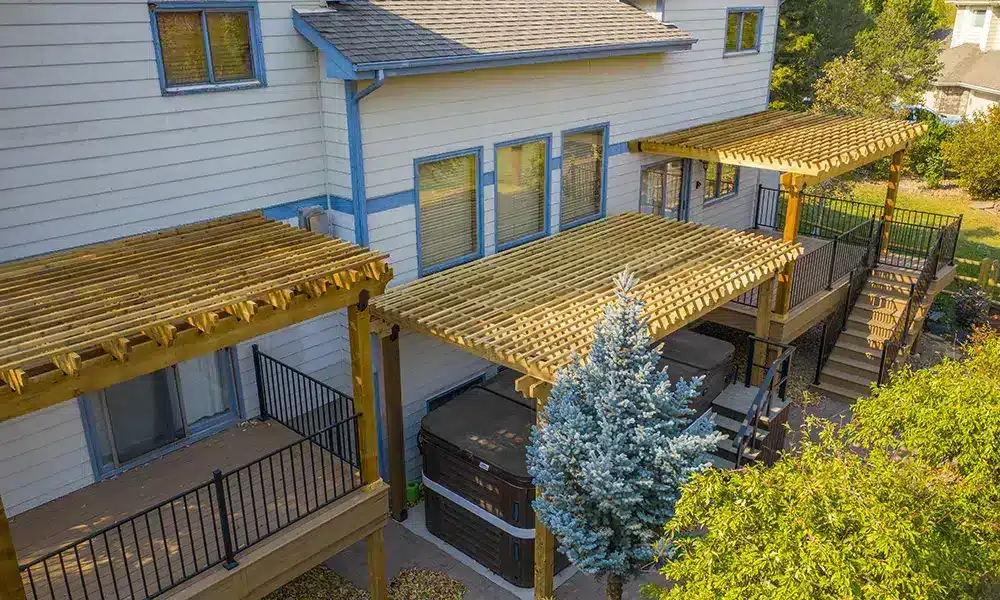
{"x":613,"y":453}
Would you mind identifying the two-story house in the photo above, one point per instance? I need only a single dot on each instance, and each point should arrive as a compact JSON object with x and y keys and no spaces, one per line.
{"x":432,"y":132}
{"x":970,"y":76}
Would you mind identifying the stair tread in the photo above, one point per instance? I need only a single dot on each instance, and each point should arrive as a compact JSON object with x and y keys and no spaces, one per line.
{"x":871,"y":367}
{"x":729,"y":445}
{"x":725,"y":424}
{"x":738,"y":400}
{"x":833,"y":371}
{"x":720,"y":463}
{"x":836,"y":390}
{"x":894,"y":310}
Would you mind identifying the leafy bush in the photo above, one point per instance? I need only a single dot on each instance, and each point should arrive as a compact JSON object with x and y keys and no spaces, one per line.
{"x":974,"y":152}
{"x":972,"y":307}
{"x":925,"y":157}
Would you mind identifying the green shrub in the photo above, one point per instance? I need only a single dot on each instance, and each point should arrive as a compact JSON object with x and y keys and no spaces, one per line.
{"x":972,"y":307}
{"x":925,"y":157}
{"x":974,"y":153}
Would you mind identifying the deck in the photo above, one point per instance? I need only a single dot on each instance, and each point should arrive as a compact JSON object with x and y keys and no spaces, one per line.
{"x":136,"y":554}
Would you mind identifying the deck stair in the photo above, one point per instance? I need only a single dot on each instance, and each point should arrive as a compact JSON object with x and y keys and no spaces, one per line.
{"x":730,"y":410}
{"x":853,"y":365}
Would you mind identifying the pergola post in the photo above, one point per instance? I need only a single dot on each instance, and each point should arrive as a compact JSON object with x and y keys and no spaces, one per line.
{"x":792,"y":184}
{"x":891,"y":192}
{"x":393,"y":394}
{"x":359,"y":334}
{"x":545,"y":542}
{"x":765,"y":294}
{"x":10,"y":578}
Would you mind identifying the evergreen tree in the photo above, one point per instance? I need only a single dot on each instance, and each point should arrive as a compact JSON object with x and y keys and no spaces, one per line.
{"x":613,"y":454}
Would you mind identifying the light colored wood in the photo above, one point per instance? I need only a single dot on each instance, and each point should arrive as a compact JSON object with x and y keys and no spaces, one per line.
{"x":891,"y":193}
{"x":103,"y":370}
{"x":793,"y":184}
{"x":293,"y":551}
{"x":393,"y":395}
{"x":545,"y":542}
{"x":533,"y":307}
{"x":985,"y":269}
{"x":813,"y":145}
{"x":763,"y":328}
{"x":107,"y":299}
{"x":375,"y":554}
{"x":359,"y":337}
{"x":11,"y":586}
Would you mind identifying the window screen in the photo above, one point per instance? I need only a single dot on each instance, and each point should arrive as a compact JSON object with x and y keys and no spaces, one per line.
{"x":582,"y":170}
{"x":743,"y":30}
{"x":720,"y":180}
{"x":520,"y":191}
{"x":205,"y":47}
{"x":448,"y":210}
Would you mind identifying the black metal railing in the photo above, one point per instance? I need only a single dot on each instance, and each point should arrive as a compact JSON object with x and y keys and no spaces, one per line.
{"x":301,"y":402}
{"x":895,"y":344}
{"x":819,"y":216}
{"x":161,"y":547}
{"x":773,"y":388}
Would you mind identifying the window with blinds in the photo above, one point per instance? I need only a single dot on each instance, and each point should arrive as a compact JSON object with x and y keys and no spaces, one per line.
{"x":207,"y":49}
{"x":582,"y":174}
{"x":720,"y":180}
{"x":520,"y":191}
{"x":449,"y":211}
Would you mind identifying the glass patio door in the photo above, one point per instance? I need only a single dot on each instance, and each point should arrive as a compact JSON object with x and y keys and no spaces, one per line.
{"x":661,"y":191}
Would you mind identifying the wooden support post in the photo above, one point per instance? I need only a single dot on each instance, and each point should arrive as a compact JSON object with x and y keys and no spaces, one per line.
{"x":985,"y":270}
{"x":393,"y":394}
{"x":545,"y":543}
{"x":763,"y":328}
{"x":11,"y":586}
{"x":359,"y":334}
{"x":891,"y":192}
{"x":792,"y":184}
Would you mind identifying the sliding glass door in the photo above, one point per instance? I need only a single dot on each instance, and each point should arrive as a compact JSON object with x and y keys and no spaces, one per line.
{"x":661,"y":189}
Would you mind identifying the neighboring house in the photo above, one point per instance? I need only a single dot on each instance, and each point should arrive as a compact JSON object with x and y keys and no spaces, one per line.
{"x":970,"y":74}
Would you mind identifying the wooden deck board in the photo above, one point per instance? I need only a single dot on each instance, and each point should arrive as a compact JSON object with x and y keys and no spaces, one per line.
{"x":184,"y":536}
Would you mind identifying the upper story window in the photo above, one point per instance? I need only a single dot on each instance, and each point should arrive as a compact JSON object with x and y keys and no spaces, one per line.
{"x":449,"y":222}
{"x":207,"y":46}
{"x":582,"y":176}
{"x":743,"y":28}
{"x":521,"y":191}
{"x":720,"y":180}
{"x":978,"y":18}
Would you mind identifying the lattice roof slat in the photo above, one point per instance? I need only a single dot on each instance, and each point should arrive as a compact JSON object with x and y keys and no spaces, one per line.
{"x":534,"y":306}
{"x":814,"y":145}
{"x":65,"y":311}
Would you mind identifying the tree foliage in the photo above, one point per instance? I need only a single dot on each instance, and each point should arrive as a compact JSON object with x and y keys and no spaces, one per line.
{"x":893,"y":61}
{"x":902,"y":503}
{"x":974,"y":152}
{"x":613,"y":453}
{"x":810,"y":34}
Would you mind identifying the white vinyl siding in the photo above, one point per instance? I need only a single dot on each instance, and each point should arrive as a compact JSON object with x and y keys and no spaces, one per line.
{"x":90,"y":150}
{"x":43,"y":455}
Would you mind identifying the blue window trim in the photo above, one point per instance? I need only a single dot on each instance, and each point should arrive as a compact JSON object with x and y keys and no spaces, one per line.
{"x":724,"y":197}
{"x":478,"y":153}
{"x":605,"y":128}
{"x":547,"y":202}
{"x":256,"y":46}
{"x":739,"y":35}
{"x":209,"y":428}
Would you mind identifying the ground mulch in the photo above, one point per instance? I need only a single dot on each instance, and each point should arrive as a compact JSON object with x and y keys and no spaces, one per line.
{"x":322,"y":583}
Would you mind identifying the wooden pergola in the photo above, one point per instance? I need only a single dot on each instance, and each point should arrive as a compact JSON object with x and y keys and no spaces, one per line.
{"x":805,"y":147}
{"x":81,"y":320}
{"x":534,"y":307}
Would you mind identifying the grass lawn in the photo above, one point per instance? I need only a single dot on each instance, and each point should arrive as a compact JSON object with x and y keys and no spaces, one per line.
{"x":980,"y":235}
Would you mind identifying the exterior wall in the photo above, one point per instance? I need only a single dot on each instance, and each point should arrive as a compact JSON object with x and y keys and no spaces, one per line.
{"x":414,"y":117}
{"x":964,"y":31}
{"x":952,"y":100}
{"x":43,"y":455}
{"x":980,"y":101}
{"x":992,"y":41}
{"x":90,"y":150}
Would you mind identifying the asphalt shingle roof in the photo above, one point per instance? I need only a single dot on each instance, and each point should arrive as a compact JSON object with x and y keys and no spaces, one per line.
{"x":374,"y":31}
{"x":968,"y":65}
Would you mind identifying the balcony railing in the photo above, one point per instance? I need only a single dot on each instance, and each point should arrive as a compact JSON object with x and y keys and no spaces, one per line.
{"x":161,"y":547}
{"x":773,"y":389}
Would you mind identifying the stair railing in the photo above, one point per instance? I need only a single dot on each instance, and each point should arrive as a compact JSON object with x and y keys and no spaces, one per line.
{"x":895,"y":344}
{"x":773,"y":386}
{"x":837,"y":322}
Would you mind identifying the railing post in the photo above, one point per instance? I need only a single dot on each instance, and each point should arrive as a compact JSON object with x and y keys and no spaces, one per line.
{"x":750,"y":354}
{"x":954,"y":241}
{"x":822,"y":351}
{"x":833,"y":263}
{"x":756,"y":210}
{"x":227,"y":538}
{"x":259,"y":377}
